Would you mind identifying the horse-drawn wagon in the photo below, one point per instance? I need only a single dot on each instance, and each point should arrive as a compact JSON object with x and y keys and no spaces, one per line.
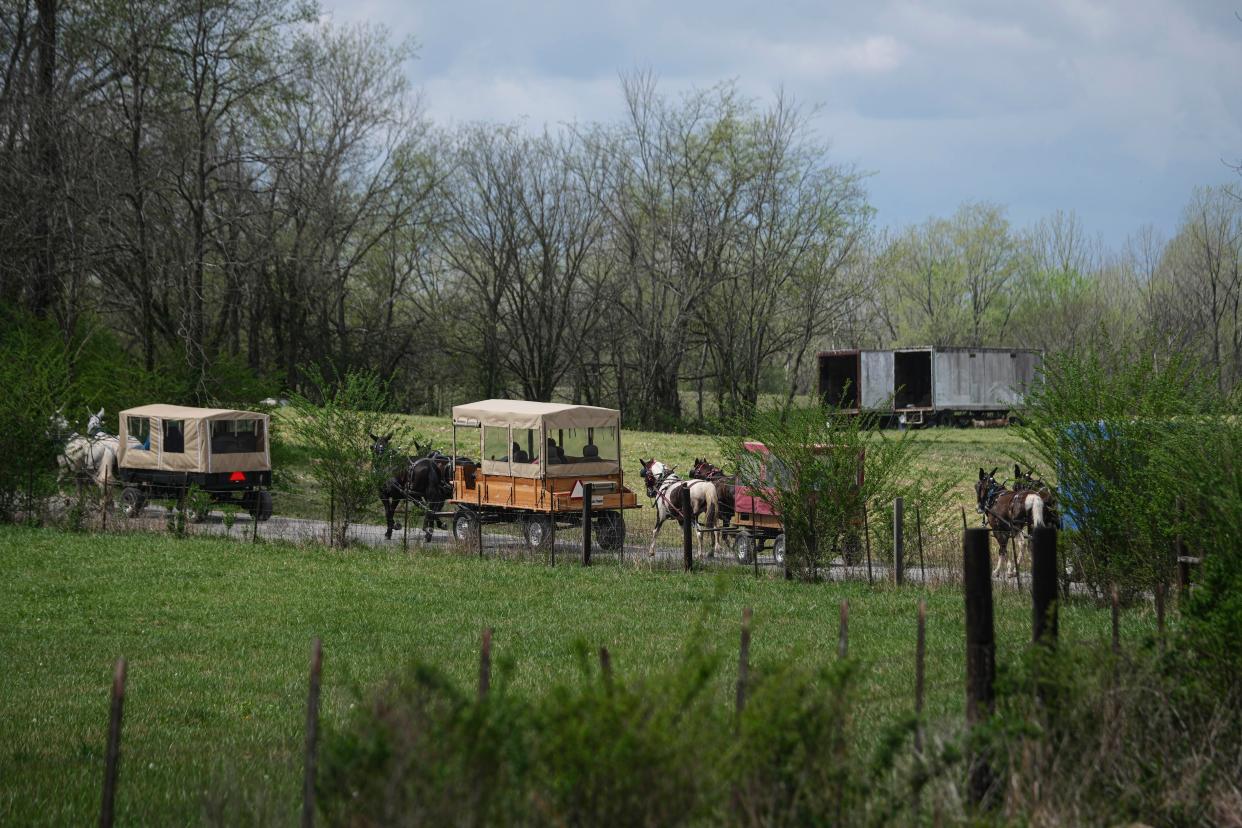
{"x":535,"y":459}
{"x":164,"y":450}
{"x":756,"y":520}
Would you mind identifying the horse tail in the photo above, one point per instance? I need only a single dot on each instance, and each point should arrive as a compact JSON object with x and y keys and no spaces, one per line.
{"x":1035,"y":505}
{"x":712,"y":505}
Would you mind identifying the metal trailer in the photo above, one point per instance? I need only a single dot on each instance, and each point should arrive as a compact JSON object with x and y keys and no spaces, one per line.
{"x":929,"y":385}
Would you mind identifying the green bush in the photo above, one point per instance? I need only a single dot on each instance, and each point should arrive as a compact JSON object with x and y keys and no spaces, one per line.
{"x":601,"y":751}
{"x":813,"y":480}
{"x":335,"y":421}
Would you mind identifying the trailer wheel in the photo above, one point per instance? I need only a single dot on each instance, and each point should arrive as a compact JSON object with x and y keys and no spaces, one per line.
{"x":259,"y":504}
{"x":744,"y":544}
{"x":537,"y":530}
{"x":610,"y":531}
{"x":778,"y":549}
{"x":132,"y":502}
{"x":464,"y":526}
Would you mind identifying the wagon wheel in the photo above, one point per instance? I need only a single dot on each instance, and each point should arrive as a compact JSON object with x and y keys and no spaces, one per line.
{"x":778,"y":549}
{"x":851,"y":548}
{"x":132,"y":502}
{"x":610,"y":531}
{"x":744,"y":544}
{"x":258,"y":504}
{"x":465,"y":526}
{"x":537,"y":530}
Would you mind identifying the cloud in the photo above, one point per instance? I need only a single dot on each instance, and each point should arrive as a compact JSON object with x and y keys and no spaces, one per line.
{"x":1064,"y":104}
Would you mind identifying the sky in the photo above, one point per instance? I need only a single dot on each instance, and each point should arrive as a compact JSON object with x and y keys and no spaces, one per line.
{"x":1115,"y":110}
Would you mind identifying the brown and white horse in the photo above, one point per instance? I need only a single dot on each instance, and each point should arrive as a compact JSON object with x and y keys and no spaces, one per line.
{"x":1008,"y":513}
{"x":703,"y":470}
{"x":665,"y":488}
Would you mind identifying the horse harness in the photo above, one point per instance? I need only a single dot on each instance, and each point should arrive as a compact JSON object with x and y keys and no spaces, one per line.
{"x":995,"y":490}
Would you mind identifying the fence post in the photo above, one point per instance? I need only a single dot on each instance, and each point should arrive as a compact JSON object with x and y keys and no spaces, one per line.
{"x":485,"y":663}
{"x":478,"y":531}
{"x":312,"y":736}
{"x":687,"y":537}
{"x":1160,"y":615}
{"x":112,"y":758}
{"x":743,"y":662}
{"x":980,"y":648}
{"x":867,"y":539}
{"x":899,"y":541}
{"x":1044,"y":604}
{"x":918,"y":528}
{"x":586,"y":523}
{"x":605,"y":666}
{"x":1116,"y":602}
{"x":843,"y":630}
{"x":920,"y":657}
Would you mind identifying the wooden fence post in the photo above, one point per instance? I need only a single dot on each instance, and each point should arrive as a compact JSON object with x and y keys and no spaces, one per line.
{"x":899,"y":541}
{"x":112,"y":759}
{"x":867,"y":539}
{"x":1116,"y":602}
{"x":918,"y":528}
{"x":980,"y":648}
{"x":687,"y":538}
{"x":743,"y":662}
{"x":586,"y":523}
{"x":1044,"y":603}
{"x":485,"y":663}
{"x":605,"y":666}
{"x":843,"y":630}
{"x":312,"y":736}
{"x":920,"y":657}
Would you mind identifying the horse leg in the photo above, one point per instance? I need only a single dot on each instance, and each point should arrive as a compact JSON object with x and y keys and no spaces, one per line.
{"x":656,"y":531}
{"x":1000,"y":557}
{"x":430,"y":522}
{"x":390,"y":506}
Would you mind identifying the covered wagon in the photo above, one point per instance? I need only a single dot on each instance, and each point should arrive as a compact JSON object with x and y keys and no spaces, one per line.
{"x":166,"y":449}
{"x":535,"y":459}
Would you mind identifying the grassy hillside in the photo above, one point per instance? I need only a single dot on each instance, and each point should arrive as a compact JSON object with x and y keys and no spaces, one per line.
{"x":217,"y":635}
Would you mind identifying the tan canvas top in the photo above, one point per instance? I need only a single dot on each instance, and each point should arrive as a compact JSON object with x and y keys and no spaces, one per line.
{"x":525,"y":414}
{"x":185,"y":412}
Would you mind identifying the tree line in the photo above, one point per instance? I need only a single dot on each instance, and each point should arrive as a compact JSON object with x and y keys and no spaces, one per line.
{"x":233,"y":187}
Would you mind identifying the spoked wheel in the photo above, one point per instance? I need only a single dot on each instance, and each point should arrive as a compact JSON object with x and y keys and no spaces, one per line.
{"x":610,"y":531}
{"x":465,"y":526}
{"x":259,"y":504}
{"x":537,"y":530}
{"x":744,"y":544}
{"x":132,"y":502}
{"x":778,"y":549}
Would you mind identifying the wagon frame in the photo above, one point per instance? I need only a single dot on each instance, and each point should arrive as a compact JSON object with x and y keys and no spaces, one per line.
{"x":534,"y":460}
{"x":165,"y":450}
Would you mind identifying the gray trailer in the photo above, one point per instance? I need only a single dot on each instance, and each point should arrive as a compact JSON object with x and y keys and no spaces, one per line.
{"x":928,"y":385}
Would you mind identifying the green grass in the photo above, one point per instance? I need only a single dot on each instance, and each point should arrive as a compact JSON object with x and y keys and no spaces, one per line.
{"x":217,"y":637}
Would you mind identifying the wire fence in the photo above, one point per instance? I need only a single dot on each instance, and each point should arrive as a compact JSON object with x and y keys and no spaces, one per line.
{"x":931,"y":550}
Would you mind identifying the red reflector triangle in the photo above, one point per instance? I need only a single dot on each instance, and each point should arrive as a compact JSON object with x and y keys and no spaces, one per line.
{"x":237,"y":477}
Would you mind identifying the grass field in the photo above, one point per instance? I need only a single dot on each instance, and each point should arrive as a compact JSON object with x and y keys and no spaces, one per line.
{"x":217,"y":636}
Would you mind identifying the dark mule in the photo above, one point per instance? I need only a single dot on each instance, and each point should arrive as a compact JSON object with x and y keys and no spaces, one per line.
{"x":424,"y":480}
{"x":1008,"y":513}
{"x":703,"y":470}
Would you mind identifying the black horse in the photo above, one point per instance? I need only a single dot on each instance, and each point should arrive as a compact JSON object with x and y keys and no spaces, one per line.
{"x":422,"y":479}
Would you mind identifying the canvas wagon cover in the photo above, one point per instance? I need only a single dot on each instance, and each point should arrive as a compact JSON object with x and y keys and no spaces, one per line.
{"x":524,"y":414}
{"x":197,"y":455}
{"x":543,"y":417}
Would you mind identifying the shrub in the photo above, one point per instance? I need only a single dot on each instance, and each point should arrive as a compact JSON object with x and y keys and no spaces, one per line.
{"x":811,"y":476}
{"x":335,"y":423}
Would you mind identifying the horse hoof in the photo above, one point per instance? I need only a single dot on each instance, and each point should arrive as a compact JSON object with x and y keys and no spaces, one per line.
{"x":396,"y":526}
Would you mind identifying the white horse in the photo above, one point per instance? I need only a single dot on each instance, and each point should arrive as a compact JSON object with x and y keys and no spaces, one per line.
{"x":91,"y":457}
{"x":665,"y":488}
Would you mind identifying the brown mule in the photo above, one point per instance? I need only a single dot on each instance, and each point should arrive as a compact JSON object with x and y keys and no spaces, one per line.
{"x":1009,"y":513}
